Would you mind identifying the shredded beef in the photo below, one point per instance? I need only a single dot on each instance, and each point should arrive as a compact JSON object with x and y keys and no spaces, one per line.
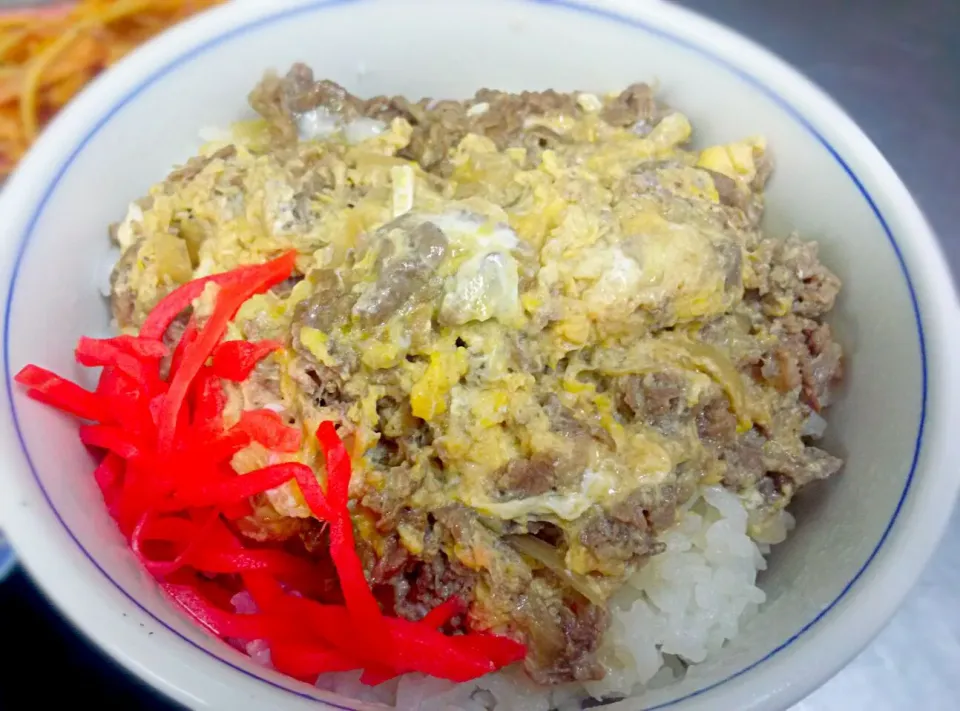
{"x":810,"y":464}
{"x":402,"y":277}
{"x":583,"y":626}
{"x":562,"y":635}
{"x":716,"y":424}
{"x":659,"y":399}
{"x":807,"y":358}
{"x":123,"y":302}
{"x":429,"y":583}
{"x":635,"y":105}
{"x":653,"y":506}
{"x":529,"y":477}
{"x":823,"y":369}
{"x":790,"y":272}
{"x":776,"y":489}
{"x":744,"y":461}
{"x":196,"y":165}
{"x":612,"y":539}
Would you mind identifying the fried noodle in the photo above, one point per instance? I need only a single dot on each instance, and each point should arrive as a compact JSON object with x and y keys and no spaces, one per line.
{"x":48,"y":54}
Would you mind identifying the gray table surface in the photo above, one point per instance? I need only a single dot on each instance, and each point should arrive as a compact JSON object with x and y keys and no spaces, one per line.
{"x":895,"y":66}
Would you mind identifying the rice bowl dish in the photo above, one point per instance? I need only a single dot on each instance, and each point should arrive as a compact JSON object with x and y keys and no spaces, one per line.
{"x":860,"y":540}
{"x":577,"y":384}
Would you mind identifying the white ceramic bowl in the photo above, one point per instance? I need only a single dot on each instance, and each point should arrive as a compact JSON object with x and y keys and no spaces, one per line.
{"x":862,"y":540}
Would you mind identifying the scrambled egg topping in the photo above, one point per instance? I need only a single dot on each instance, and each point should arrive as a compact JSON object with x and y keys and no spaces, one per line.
{"x":458,"y":325}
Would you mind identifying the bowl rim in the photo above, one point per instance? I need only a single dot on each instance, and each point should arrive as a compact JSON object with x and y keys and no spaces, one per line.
{"x":935,"y":311}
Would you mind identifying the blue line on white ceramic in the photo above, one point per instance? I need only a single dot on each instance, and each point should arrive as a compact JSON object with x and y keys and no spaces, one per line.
{"x":7,"y":558}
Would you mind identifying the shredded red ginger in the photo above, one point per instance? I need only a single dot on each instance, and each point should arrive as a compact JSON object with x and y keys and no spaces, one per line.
{"x":167,"y":481}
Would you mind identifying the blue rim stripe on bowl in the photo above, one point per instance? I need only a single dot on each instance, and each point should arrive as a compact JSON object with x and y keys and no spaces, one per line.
{"x":569,"y":5}
{"x":8,"y":560}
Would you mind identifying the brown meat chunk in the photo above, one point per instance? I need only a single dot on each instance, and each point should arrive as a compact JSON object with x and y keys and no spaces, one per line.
{"x":764,"y":167}
{"x":635,"y":105}
{"x":540,"y":473}
{"x":196,"y":165}
{"x":171,"y":337}
{"x":776,"y":489}
{"x":789,"y":271}
{"x":782,"y":369}
{"x":267,"y":99}
{"x":748,"y":202}
{"x":716,"y":424}
{"x":564,"y":421}
{"x":282,"y":100}
{"x":659,"y":399}
{"x":655,"y":395}
{"x":304,"y":95}
{"x":627,"y":534}
{"x":405,"y":276}
{"x":773,"y":469}
{"x":391,"y":560}
{"x":533,"y":103}
{"x":811,"y":464}
{"x":744,"y":461}
{"x":538,"y":139}
{"x":437,"y":126}
{"x":327,"y":307}
{"x":390,"y":502}
{"x":823,"y":368}
{"x":329,"y":303}
{"x":612,"y":539}
{"x":731,"y":256}
{"x":321,"y":384}
{"x":441,"y":127}
{"x":561,"y":634}
{"x":728,"y":191}
{"x":436,"y":133}
{"x":583,"y":626}
{"x":522,"y":478}
{"x":123,"y":300}
{"x":284,"y":288}
{"x":807,"y":358}
{"x":504,"y":120}
{"x":504,"y":566}
{"x":653,"y":506}
{"x":562,"y":418}
{"x":428,"y":583}
{"x":386,"y":109}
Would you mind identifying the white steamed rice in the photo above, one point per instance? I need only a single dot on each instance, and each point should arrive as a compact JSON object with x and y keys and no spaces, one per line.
{"x":678,"y":610}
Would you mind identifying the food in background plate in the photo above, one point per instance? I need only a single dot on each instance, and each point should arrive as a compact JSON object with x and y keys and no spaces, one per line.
{"x":576,"y":384}
{"x":49,"y":52}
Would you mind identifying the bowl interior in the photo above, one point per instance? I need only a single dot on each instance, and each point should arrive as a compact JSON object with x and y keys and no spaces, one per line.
{"x":110,"y":153}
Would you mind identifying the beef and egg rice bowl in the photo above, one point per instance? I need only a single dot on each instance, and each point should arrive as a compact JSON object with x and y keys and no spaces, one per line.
{"x":577,"y":384}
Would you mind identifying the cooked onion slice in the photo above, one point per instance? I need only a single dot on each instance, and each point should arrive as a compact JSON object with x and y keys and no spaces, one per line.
{"x":546,"y":554}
